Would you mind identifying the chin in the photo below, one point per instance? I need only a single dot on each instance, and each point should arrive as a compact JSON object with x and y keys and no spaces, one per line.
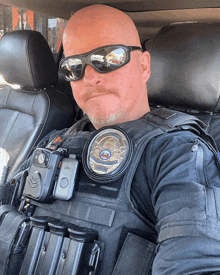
{"x":101,"y":121}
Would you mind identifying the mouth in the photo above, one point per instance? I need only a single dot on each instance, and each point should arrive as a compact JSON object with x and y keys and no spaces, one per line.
{"x":87,"y":97}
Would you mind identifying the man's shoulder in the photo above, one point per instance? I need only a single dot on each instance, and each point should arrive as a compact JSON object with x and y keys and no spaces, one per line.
{"x":175,"y":138}
{"x":175,"y":125}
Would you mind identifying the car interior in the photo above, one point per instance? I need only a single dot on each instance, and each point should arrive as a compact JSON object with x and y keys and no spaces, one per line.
{"x":37,"y":108}
{"x":181,"y":36}
{"x":185,"y":72}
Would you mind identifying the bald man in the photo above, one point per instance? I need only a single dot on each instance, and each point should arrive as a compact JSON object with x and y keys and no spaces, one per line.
{"x":108,"y":98}
{"x":141,"y":182}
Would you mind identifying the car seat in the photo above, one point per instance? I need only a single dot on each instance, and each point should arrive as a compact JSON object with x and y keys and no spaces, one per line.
{"x":185,"y":72}
{"x":31,"y":112}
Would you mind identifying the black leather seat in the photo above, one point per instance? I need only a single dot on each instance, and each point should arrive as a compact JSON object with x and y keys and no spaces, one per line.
{"x":37,"y":108}
{"x":185,"y":71}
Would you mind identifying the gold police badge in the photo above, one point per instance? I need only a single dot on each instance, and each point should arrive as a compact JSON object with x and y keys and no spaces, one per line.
{"x":107,"y":154}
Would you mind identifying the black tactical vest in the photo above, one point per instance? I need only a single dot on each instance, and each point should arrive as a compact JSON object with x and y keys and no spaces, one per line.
{"x":125,"y":239}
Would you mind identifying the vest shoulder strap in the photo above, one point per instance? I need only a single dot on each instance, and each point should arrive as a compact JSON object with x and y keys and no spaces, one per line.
{"x":169,"y":120}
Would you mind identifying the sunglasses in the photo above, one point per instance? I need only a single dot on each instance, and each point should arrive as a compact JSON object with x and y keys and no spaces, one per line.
{"x":103,"y":59}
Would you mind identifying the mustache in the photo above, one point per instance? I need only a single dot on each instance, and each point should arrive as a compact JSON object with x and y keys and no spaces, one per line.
{"x":94,"y":92}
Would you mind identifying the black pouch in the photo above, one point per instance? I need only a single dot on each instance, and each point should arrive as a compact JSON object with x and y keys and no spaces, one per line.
{"x":81,"y":252}
{"x":14,"y":232}
{"x":35,"y":247}
{"x":51,"y":248}
{"x":61,"y":248}
{"x":136,"y":256}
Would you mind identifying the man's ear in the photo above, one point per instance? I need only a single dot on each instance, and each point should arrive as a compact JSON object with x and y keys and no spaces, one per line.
{"x":145,"y":65}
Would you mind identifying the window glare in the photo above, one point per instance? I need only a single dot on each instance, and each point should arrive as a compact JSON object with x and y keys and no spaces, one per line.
{"x":19,"y":19}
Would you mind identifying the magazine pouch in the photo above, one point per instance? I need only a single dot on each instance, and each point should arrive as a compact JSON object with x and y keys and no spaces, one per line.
{"x":14,"y":232}
{"x":57,"y":247}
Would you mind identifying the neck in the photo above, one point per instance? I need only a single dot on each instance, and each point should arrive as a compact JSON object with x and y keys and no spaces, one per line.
{"x":111,"y":121}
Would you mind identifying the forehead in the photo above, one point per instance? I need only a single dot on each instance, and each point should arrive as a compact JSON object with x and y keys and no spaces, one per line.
{"x":89,"y":47}
{"x":79,"y":46}
{"x":87,"y":37}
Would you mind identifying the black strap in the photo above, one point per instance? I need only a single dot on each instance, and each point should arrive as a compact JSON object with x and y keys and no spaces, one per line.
{"x":168,"y":119}
{"x":80,"y":210}
{"x":3,"y":190}
{"x":128,"y":178}
{"x":4,"y":209}
{"x":8,"y":232}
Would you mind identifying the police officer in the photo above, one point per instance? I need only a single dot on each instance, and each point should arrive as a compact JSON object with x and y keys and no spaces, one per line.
{"x":139,"y":187}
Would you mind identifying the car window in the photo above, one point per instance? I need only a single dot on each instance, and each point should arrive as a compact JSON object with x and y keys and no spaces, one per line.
{"x":51,"y":28}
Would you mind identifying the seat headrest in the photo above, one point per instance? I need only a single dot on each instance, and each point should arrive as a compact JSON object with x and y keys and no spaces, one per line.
{"x":26,"y":59}
{"x":185,"y":67}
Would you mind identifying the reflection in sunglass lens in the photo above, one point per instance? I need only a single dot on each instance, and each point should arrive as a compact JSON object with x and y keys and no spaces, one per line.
{"x":103,"y":59}
{"x":72,"y":69}
{"x":109,"y":59}
{"x":99,"y":62}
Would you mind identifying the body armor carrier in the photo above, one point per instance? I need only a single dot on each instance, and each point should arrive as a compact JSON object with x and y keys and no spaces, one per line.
{"x":88,"y":225}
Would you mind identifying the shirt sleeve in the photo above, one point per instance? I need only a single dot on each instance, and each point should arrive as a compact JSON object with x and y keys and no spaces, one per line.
{"x":186,"y":199}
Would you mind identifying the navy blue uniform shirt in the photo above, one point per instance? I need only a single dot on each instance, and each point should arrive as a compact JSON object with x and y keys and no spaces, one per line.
{"x":176,"y":186}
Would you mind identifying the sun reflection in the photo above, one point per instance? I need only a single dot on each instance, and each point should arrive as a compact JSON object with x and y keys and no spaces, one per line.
{"x":2,"y":81}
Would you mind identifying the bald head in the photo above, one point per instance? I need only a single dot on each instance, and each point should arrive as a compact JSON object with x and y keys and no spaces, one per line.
{"x":99,"y":25}
{"x":119,"y":95}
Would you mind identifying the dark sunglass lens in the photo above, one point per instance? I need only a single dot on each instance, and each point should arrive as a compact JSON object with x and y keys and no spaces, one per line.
{"x":72,"y":69}
{"x":108,"y":59}
{"x":99,"y":62}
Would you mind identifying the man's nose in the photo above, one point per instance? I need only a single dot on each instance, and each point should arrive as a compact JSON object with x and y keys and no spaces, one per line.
{"x":91,"y":75}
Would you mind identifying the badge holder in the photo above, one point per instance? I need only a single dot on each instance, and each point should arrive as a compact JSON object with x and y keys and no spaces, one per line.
{"x":107,"y":154}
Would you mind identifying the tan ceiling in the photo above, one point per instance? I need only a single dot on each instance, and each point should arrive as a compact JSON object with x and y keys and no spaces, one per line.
{"x":148,"y":23}
{"x":149,"y":16}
